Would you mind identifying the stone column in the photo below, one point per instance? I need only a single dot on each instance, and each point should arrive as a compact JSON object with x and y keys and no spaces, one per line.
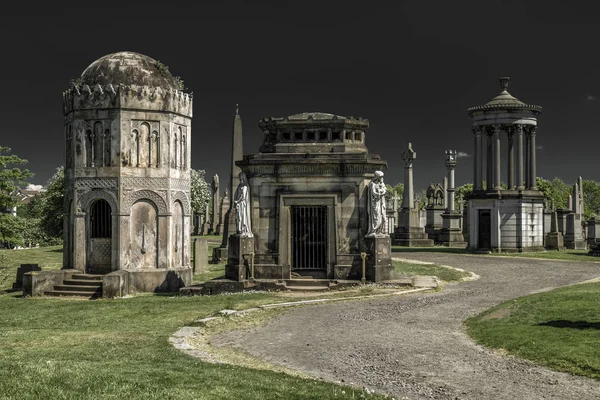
{"x":478,"y":160}
{"x":450,"y":166}
{"x":408,"y":196}
{"x":489,"y":159}
{"x":216,"y":203}
{"x":519,"y":129}
{"x":532,"y":169}
{"x":527,"y":161}
{"x":496,"y":151}
{"x":511,"y":160}
{"x":445,"y":192}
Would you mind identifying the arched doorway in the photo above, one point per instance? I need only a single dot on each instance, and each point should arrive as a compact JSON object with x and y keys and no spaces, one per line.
{"x":99,"y":237}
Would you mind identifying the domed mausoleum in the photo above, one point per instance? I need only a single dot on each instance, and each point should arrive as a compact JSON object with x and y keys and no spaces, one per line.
{"x":127,"y":174}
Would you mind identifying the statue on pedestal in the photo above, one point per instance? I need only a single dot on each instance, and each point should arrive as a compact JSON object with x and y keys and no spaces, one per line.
{"x":376,"y":206}
{"x":241,"y":203}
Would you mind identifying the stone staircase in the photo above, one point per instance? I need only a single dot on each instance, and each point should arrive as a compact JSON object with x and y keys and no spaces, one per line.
{"x":82,"y":285}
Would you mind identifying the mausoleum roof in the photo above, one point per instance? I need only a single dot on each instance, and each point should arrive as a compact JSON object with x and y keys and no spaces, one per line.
{"x":129,"y":68}
{"x":504,"y":101}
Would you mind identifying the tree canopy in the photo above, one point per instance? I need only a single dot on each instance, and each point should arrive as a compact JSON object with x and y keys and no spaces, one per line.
{"x":11,"y":177}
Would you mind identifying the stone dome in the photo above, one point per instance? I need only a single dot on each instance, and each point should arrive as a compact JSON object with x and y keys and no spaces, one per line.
{"x":129,"y":68}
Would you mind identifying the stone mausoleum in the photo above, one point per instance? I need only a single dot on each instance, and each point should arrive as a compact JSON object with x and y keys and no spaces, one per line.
{"x":308,"y":194}
{"x":127,"y":176}
{"x":511,"y":218}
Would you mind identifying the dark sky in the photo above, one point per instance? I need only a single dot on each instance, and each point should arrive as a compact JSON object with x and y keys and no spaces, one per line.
{"x":411,"y":68}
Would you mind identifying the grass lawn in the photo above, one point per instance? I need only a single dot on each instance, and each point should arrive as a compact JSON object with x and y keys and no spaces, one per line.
{"x":567,"y":255}
{"x":116,"y":349}
{"x":559,"y":329}
{"x":443,"y":273}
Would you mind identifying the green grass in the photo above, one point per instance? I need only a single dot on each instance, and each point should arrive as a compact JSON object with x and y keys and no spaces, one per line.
{"x":118,"y":349}
{"x":434,"y":249}
{"x":48,"y":258}
{"x":559,"y":329}
{"x":443,"y":273}
{"x":567,"y":255}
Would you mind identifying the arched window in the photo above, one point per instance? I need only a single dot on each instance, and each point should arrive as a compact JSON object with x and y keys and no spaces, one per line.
{"x":100,"y":219}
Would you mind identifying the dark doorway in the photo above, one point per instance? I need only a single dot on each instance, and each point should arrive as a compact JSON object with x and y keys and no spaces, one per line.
{"x":100,"y":238}
{"x":309,"y":239}
{"x":485,"y":230}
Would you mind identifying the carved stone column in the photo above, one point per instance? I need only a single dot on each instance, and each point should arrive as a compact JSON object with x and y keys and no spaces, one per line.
{"x":527,"y":161}
{"x":496,"y":151}
{"x":532,"y":169}
{"x":519,"y":130}
{"x":477,"y":159}
{"x":511,"y":159}
{"x":489,"y":161}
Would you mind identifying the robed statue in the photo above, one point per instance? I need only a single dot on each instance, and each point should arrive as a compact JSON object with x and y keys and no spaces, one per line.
{"x":376,"y":206}
{"x":241,"y":202}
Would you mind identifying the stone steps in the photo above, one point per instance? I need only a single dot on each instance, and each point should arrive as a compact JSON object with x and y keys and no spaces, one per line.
{"x":86,"y":294}
{"x":82,"y":285}
{"x":297,"y":288}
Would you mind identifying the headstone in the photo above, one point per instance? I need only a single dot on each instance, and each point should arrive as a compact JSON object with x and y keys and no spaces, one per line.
{"x":224,"y":206}
{"x":574,"y":234}
{"x":554,"y":239}
{"x":200,"y":255}
{"x":206,"y":226}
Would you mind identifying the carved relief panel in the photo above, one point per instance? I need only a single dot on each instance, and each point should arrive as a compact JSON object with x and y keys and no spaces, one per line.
{"x":145,"y":144}
{"x":143,"y":235}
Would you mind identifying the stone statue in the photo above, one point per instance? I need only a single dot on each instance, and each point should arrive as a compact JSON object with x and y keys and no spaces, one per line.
{"x":241,"y":202}
{"x":376,"y":206}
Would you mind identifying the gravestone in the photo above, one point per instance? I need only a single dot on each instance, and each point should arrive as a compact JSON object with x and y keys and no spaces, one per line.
{"x":554,"y":238}
{"x":451,"y":233}
{"x":200,"y":255}
{"x":216,"y":203}
{"x":18,"y":284}
{"x":434,"y":209}
{"x":574,"y":230}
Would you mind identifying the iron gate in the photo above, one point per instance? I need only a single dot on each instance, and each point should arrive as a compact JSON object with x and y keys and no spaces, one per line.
{"x":309,"y":237}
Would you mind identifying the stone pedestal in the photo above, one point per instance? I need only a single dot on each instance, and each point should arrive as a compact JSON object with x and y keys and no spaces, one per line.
{"x":451,"y":233}
{"x":574,"y":235}
{"x":555,"y":241}
{"x":200,"y":255}
{"x":379,"y":259}
{"x":238,"y":260}
{"x":219,"y":255}
{"x":434,"y":220}
{"x":593,"y":230}
{"x":409,"y":233}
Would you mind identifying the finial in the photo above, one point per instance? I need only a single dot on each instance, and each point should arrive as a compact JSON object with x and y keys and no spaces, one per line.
{"x":237,"y":110}
{"x":504,"y":82}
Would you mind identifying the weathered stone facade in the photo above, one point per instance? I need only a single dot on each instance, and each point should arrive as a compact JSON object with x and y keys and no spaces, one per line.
{"x":308,"y":195}
{"x":127,"y":172}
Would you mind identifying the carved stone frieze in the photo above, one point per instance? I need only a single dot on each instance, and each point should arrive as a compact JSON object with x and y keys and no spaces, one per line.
{"x":183,"y":198}
{"x":158,"y":198}
{"x":90,"y":183}
{"x":86,"y":196}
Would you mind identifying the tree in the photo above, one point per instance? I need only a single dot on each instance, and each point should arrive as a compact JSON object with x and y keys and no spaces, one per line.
{"x":52,"y":206}
{"x":11,"y":177}
{"x":556,"y":190}
{"x":200,"y":192}
{"x":591,"y":198}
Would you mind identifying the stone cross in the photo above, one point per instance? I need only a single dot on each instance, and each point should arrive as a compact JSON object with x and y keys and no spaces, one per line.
{"x":408,"y":156}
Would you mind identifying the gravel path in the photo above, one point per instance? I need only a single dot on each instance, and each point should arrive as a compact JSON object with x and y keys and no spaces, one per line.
{"x":415,"y":347}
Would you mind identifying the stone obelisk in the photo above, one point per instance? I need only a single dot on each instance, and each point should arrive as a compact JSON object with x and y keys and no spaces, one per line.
{"x":237,"y":153}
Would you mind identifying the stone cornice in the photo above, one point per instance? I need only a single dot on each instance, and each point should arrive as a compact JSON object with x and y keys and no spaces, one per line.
{"x":127,"y":97}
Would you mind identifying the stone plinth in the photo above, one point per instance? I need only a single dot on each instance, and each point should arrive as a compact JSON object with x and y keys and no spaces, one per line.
{"x":434,"y":220}
{"x":574,"y":235}
{"x":238,"y":260}
{"x":555,"y":241}
{"x":451,"y":232}
{"x":379,"y":258}
{"x":593,"y":230}
{"x":219,"y":255}
{"x":409,"y":233}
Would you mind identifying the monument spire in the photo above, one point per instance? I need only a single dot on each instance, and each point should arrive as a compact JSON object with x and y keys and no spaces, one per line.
{"x":237,"y":153}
